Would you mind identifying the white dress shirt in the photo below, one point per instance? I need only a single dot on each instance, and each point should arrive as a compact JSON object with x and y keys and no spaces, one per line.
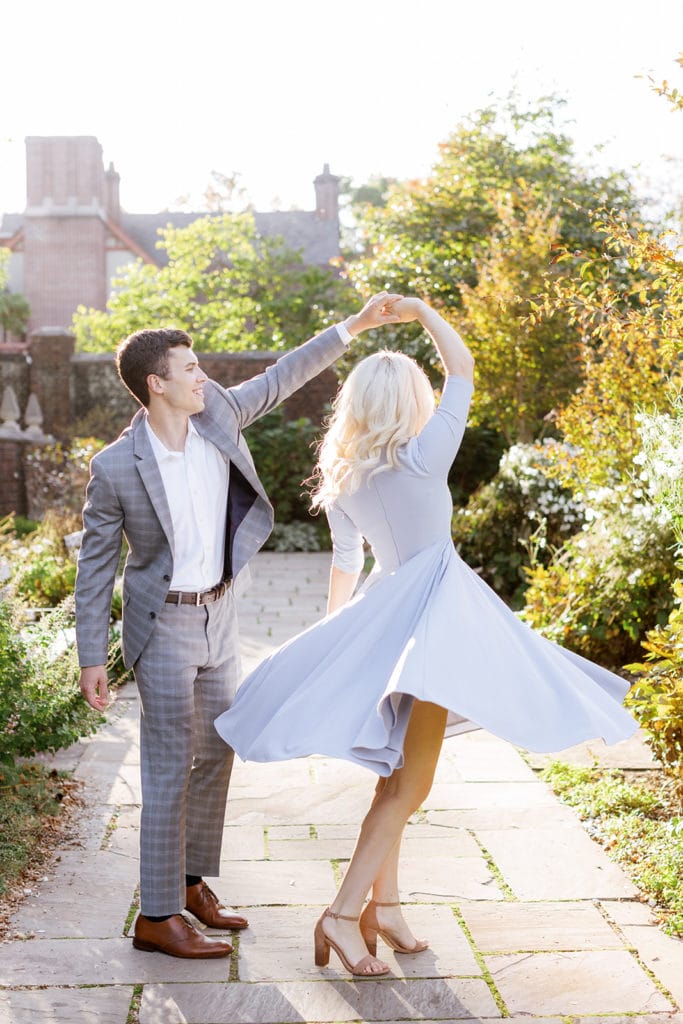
{"x":196,"y":485}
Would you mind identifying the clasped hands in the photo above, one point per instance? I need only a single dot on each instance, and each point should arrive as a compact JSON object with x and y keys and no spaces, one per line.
{"x":384,"y":308}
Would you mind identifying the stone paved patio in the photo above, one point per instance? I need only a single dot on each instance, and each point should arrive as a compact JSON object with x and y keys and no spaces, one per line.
{"x":526,"y":915}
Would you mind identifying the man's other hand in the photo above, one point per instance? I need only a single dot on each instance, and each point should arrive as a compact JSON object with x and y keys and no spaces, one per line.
{"x":93,"y":684}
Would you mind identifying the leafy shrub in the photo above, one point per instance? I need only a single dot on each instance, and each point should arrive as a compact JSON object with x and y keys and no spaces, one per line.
{"x":41,"y":707}
{"x":594,"y":792}
{"x":56,"y":476}
{"x":523,"y":511}
{"x":30,"y":799}
{"x":42,"y":570}
{"x":609,"y":584}
{"x":299,"y":536}
{"x":283,"y":452}
{"x":477,"y":462}
{"x":657,"y":696}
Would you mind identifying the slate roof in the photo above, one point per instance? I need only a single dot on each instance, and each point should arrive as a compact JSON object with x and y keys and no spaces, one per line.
{"x":10,"y":224}
{"x":317,"y":239}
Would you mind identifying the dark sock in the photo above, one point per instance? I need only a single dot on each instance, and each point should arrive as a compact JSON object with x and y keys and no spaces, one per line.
{"x":192,"y":880}
{"x":164,"y":917}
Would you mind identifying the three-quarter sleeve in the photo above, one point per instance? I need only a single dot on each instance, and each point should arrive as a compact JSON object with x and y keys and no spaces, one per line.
{"x":347,"y":541}
{"x":440,"y":439}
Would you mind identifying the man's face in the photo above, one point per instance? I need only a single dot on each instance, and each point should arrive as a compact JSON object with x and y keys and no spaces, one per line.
{"x":182,"y":389}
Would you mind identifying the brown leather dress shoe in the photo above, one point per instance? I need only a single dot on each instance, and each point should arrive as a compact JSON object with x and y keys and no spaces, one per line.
{"x":177,"y":937}
{"x":207,"y":908}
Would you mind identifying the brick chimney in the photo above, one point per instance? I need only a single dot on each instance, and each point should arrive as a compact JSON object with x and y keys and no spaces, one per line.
{"x":327,"y":195}
{"x":113,"y":203}
{"x":64,"y":230}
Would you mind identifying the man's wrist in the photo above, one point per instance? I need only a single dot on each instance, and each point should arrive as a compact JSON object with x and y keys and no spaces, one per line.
{"x":349,"y":328}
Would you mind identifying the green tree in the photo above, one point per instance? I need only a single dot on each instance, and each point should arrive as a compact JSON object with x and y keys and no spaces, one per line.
{"x":14,"y":309}
{"x":630,"y":346}
{"x":527,"y":364}
{"x":226,"y":285}
{"x":427,"y":237}
{"x":440,"y":236}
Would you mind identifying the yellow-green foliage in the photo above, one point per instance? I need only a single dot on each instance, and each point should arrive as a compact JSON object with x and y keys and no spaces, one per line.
{"x":657,"y":695}
{"x":224,"y":284}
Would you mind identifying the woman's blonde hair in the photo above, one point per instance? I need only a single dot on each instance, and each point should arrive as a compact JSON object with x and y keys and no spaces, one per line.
{"x":385,"y":400}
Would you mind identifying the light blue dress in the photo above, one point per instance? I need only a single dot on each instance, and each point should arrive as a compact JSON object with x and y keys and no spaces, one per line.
{"x":423,"y":625}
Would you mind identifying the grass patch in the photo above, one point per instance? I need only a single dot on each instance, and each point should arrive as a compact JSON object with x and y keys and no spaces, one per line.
{"x":31,"y":799}
{"x":638,"y":822}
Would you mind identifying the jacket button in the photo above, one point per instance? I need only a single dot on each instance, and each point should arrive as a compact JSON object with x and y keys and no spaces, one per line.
{"x":167,"y":578}
{"x":152,"y":615}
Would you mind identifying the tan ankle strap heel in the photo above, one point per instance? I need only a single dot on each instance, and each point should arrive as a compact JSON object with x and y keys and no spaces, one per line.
{"x":339,"y":917}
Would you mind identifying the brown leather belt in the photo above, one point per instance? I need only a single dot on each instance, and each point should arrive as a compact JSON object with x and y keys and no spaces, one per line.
{"x":200,"y":597}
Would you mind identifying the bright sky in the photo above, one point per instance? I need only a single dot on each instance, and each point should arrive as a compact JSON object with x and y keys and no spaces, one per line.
{"x":271,"y":89}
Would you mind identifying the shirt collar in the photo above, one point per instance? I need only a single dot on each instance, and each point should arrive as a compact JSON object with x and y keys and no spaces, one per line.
{"x":161,"y":452}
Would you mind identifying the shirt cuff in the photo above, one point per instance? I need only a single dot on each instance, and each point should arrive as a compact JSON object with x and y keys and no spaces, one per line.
{"x":344,"y":334}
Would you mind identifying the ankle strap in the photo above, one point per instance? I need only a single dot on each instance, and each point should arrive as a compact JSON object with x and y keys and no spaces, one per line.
{"x":376,"y":904}
{"x":339,"y":917}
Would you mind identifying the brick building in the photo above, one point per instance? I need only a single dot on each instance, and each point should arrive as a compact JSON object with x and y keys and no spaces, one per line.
{"x":73,"y":236}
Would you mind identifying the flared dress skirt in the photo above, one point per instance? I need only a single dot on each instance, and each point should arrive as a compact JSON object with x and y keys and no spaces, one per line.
{"x":431,"y":630}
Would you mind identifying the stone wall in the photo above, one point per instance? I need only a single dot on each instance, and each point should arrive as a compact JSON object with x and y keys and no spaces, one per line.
{"x":81,"y":395}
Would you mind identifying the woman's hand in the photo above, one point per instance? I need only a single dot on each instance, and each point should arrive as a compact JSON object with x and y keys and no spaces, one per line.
{"x":377,"y":311}
{"x":408,"y":309}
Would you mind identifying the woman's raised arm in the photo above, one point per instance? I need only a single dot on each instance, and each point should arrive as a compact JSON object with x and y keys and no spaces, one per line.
{"x":455,"y":355}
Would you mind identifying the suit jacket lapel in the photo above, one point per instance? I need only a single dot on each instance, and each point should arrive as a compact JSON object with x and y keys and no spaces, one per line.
{"x":148,"y":469}
{"x":212,"y":430}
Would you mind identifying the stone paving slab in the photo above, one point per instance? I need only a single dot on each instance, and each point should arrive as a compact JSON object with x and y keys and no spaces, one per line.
{"x":331,"y":771}
{"x":644,"y":1018}
{"x":275,"y":883}
{"x":114,"y":784}
{"x":298,"y":772}
{"x":662,"y":953}
{"x":243,"y":842}
{"x":630,"y":753}
{"x":552,"y":817}
{"x":488,"y":794}
{"x":93,"y":822}
{"x":84,"y":898}
{"x":540,"y":865}
{"x":279,"y":944}
{"x":628,"y":912}
{"x":66,"y":1005}
{"x":575,"y":983}
{"x":310,"y":805}
{"x":522,"y":927}
{"x":445,"y":880}
{"x":418,"y":841}
{"x":480,"y":757}
{"x":104,"y":962}
{"x":333,"y":1001}
{"x":124,"y":843}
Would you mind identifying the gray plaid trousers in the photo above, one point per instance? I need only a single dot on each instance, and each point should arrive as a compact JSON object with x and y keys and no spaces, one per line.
{"x":186,"y":675}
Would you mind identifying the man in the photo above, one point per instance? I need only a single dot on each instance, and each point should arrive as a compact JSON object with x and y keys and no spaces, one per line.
{"x":180,"y":485}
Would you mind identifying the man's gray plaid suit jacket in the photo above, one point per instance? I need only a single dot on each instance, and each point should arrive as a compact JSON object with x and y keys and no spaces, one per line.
{"x":125,"y":496}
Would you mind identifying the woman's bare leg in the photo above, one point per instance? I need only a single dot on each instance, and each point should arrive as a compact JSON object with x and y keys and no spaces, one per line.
{"x":381,"y":831}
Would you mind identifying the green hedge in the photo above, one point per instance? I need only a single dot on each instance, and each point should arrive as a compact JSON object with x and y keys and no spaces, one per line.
{"x":41,"y":706}
{"x":284,"y":455}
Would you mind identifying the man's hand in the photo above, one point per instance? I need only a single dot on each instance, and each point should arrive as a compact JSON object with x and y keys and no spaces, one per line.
{"x":377,"y":311}
{"x":93,"y":684}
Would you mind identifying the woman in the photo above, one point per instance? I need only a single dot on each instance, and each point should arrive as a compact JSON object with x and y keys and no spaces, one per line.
{"x":425,"y":649}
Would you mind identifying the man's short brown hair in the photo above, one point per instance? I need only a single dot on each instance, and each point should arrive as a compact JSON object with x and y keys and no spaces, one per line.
{"x":145,"y":352}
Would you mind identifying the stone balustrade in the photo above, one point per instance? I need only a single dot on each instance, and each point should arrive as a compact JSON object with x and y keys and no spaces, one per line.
{"x":14,"y":442}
